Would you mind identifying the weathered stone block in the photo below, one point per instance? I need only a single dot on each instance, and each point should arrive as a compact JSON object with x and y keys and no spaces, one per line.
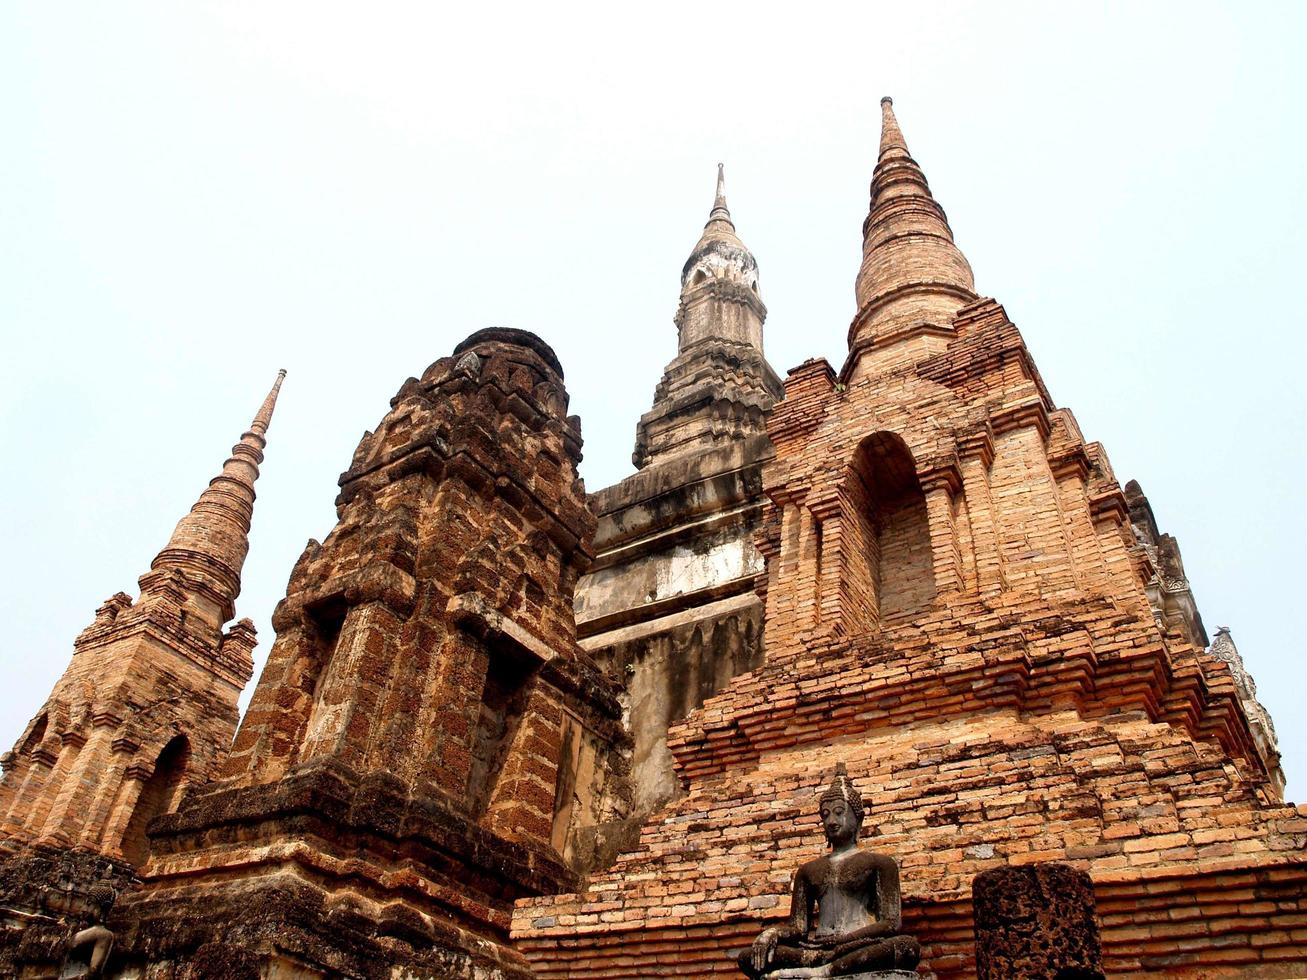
{"x":1036,"y":922}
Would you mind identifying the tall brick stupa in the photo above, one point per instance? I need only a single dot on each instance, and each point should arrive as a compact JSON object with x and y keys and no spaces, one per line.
{"x":145,"y":710}
{"x":961,"y":610}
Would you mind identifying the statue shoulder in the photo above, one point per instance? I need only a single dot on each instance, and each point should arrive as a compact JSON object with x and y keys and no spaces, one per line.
{"x":815,"y":870}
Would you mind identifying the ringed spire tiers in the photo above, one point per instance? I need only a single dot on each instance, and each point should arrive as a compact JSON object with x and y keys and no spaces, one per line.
{"x":720,"y":214}
{"x":913,"y":277}
{"x":210,"y":543}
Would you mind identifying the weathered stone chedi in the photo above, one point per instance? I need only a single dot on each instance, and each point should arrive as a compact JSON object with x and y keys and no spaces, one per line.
{"x":958,"y":609}
{"x":671,"y":604}
{"x":961,"y":607}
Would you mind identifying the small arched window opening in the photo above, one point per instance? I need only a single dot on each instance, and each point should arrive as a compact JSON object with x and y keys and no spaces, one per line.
{"x":158,"y":795}
{"x":699,"y":276}
{"x":889,"y":566}
{"x":35,"y":734}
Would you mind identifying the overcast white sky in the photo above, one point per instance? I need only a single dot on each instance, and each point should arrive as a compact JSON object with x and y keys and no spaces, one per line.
{"x":194,"y":195}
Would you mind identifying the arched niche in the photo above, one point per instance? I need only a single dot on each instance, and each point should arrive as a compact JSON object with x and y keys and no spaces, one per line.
{"x":888,"y":565}
{"x":35,"y":734}
{"x":158,"y":795}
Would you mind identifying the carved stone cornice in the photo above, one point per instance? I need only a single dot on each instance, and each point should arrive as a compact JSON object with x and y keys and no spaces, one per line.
{"x":472,"y":612}
{"x":125,"y":744}
{"x":1109,"y":505}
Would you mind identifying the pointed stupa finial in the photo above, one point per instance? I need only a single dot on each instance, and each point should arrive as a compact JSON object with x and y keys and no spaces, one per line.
{"x":210,"y":543}
{"x":891,"y":136}
{"x":264,"y":418}
{"x":720,"y":212}
{"x":913,"y":276}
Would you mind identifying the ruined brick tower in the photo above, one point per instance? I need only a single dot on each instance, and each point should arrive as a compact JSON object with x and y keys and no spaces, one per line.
{"x":427,"y":743}
{"x":147,"y":707}
{"x":960,"y":610}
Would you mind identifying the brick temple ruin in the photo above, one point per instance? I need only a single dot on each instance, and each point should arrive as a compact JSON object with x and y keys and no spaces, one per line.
{"x":508,"y":731}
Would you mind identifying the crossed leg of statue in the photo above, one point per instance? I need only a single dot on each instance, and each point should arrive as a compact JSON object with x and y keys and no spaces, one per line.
{"x":793,"y":962}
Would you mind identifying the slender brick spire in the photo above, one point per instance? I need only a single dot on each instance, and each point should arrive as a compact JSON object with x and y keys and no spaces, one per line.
{"x":911,"y":273}
{"x":210,"y":543}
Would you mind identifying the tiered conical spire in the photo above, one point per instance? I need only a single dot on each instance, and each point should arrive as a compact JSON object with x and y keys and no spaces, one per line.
{"x":720,"y":226}
{"x":720,"y":260}
{"x":912,"y":272}
{"x":720,"y":213}
{"x":210,"y":543}
{"x":719,"y":388}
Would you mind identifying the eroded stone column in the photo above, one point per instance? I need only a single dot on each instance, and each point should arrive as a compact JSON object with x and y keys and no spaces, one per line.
{"x":107,"y":792}
{"x":44,"y":758}
{"x":1036,"y":922}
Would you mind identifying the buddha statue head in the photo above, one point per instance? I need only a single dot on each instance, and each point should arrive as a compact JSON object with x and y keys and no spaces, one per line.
{"x":841,"y":810}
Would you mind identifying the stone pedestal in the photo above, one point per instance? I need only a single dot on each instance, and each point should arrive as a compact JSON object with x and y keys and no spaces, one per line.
{"x":1036,"y":922}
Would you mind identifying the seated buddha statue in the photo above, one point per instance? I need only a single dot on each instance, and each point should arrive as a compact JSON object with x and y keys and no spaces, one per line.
{"x":845,"y":912}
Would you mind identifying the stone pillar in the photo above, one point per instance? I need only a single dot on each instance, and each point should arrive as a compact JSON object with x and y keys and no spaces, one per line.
{"x":977,"y":456}
{"x":1036,"y":922}
{"x":353,"y":686}
{"x":107,"y":792}
{"x":1072,"y":474}
{"x":1111,"y":517}
{"x":781,"y":598}
{"x":808,"y":578}
{"x":43,"y":805}
{"x":940,"y":486}
{"x":1037,"y":551}
{"x":830,"y":522}
{"x":42,"y":763}
{"x":522,"y":802}
{"x":273,"y":727}
{"x":64,"y":823}
{"x":111,"y":841}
